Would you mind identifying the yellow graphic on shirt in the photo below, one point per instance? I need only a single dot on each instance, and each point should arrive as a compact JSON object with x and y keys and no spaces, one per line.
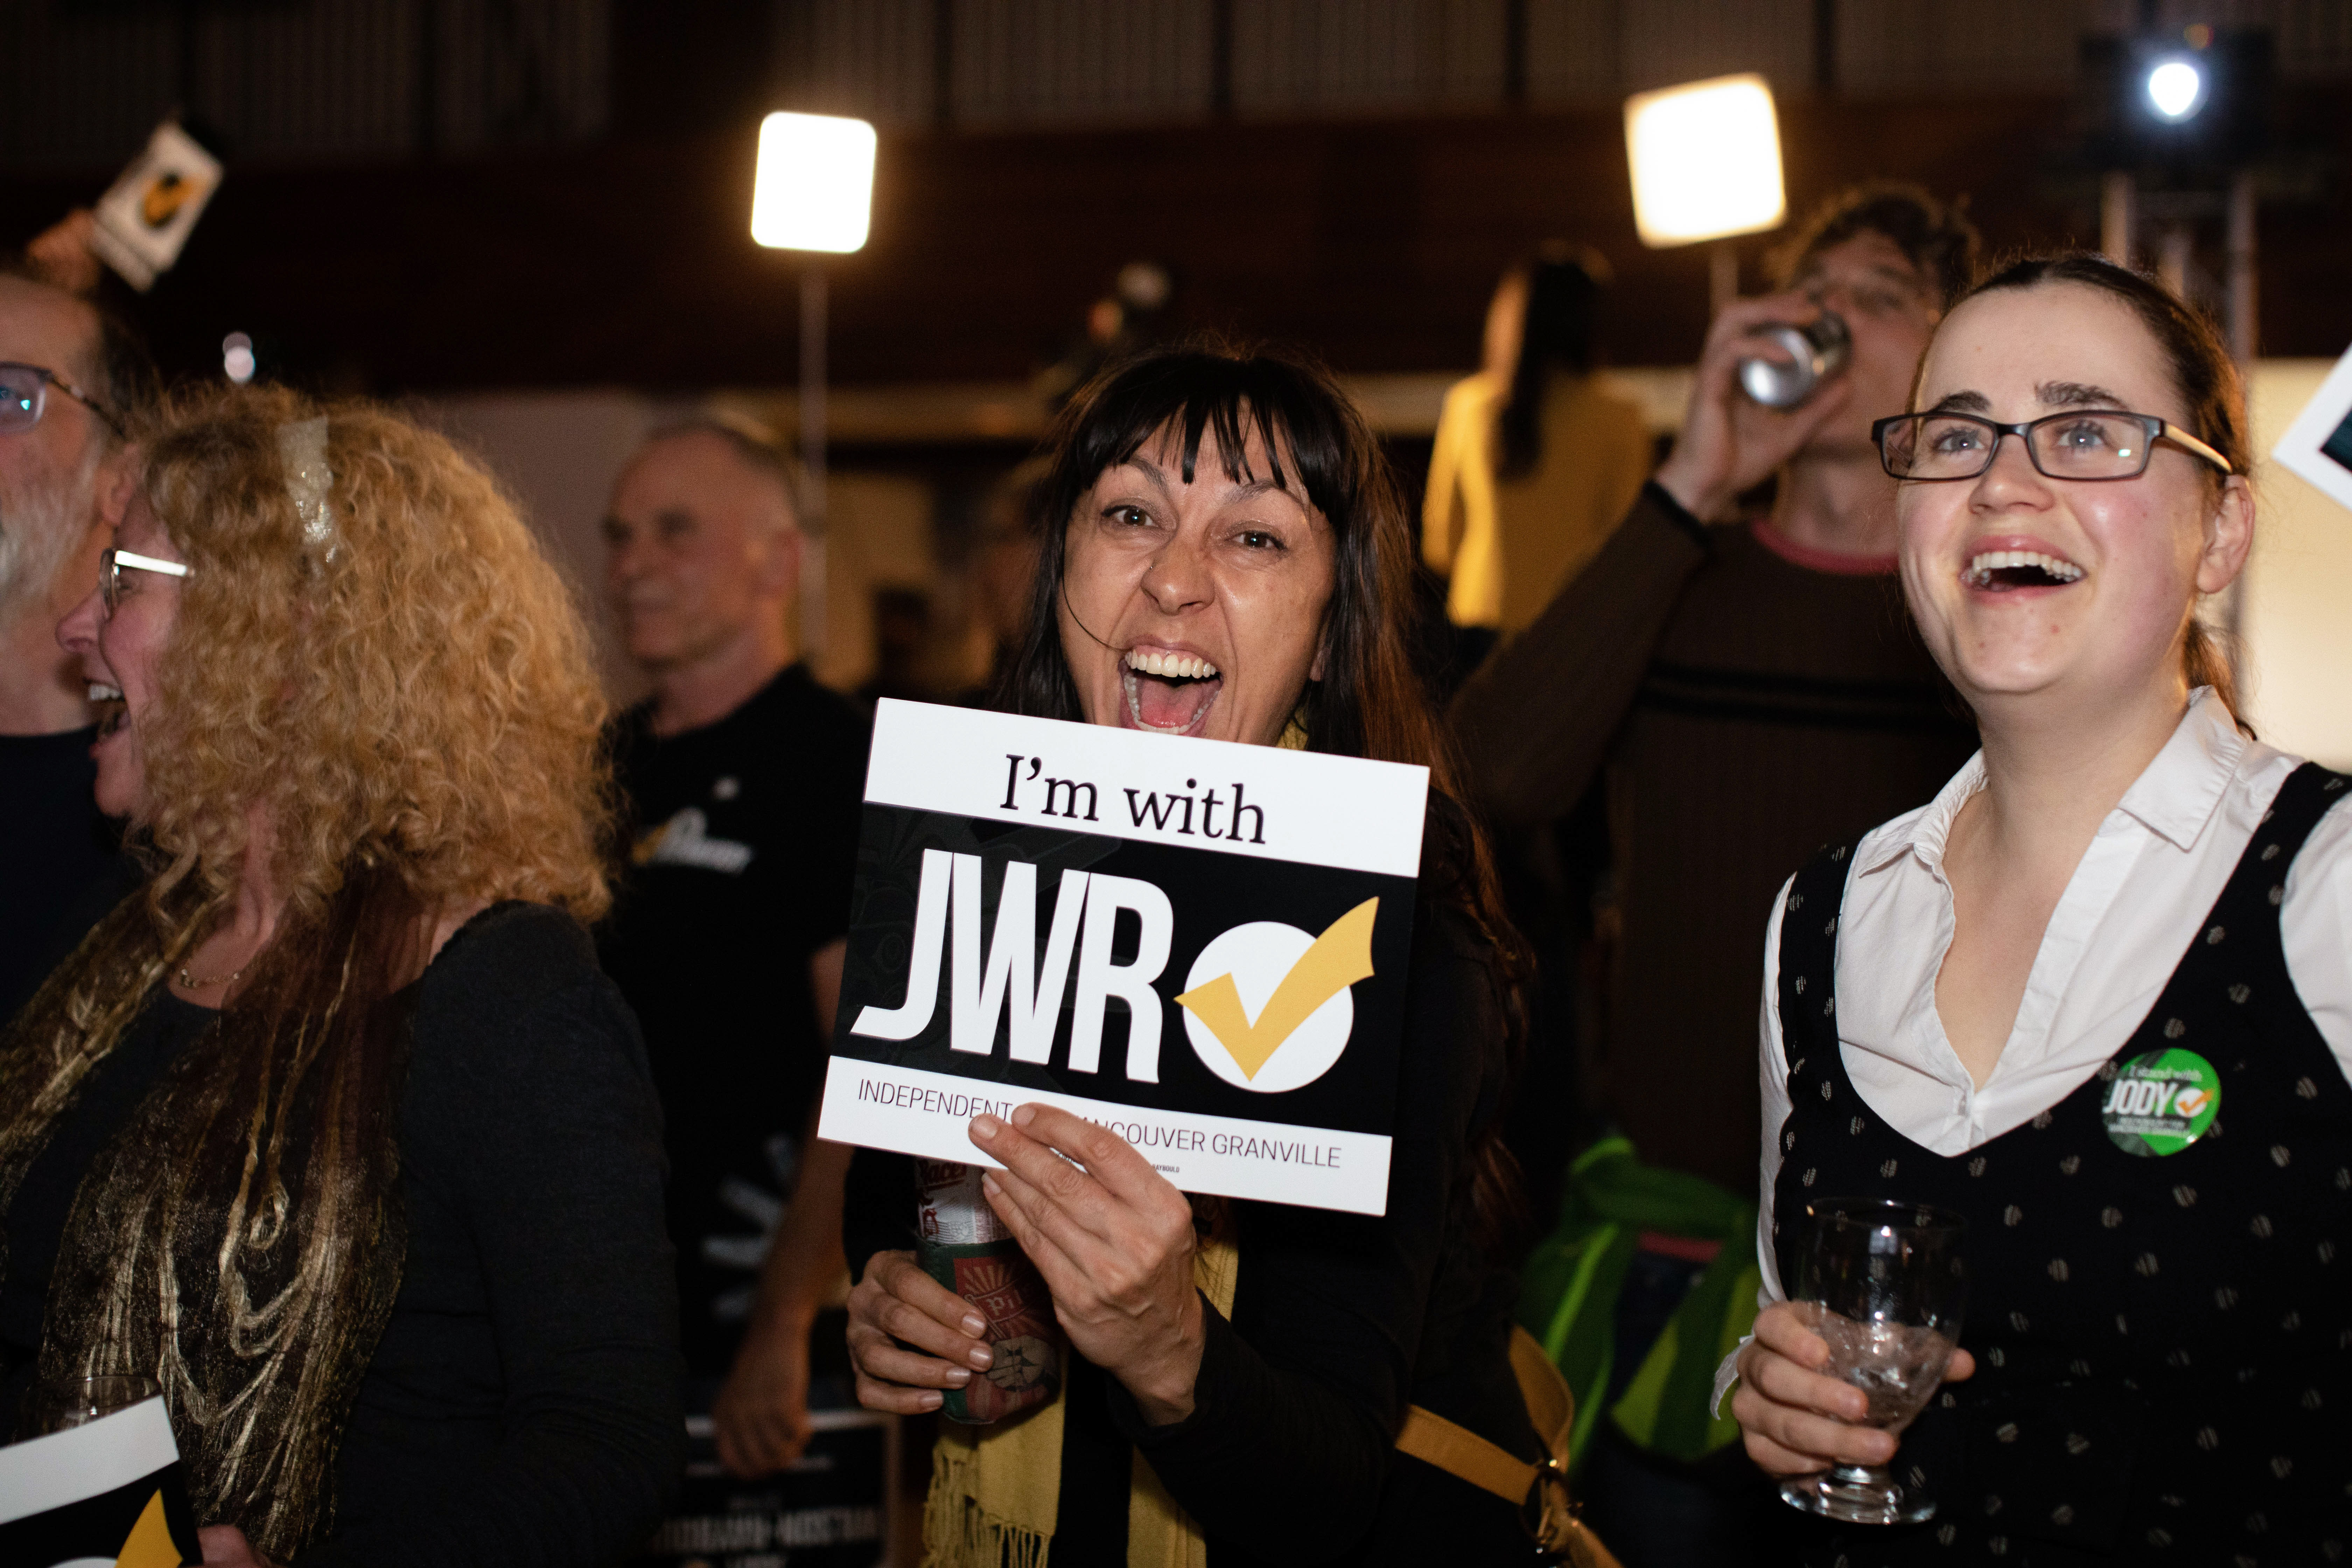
{"x":149,"y":1543}
{"x":1338,"y":958}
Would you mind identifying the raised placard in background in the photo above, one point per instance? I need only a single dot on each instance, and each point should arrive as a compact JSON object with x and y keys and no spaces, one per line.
{"x":2318,"y":444}
{"x":146,"y":215}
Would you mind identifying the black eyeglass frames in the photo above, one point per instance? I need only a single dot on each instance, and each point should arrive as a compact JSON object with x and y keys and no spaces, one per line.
{"x":2080,"y":443}
{"x":25,"y":393}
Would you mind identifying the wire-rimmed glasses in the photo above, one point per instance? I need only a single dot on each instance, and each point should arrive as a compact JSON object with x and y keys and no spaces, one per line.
{"x":24,"y":394}
{"x":111,"y":564}
{"x":2079,"y":443}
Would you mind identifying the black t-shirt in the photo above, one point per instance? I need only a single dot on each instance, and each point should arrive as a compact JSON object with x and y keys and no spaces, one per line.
{"x":53,"y":845}
{"x":743,"y":844}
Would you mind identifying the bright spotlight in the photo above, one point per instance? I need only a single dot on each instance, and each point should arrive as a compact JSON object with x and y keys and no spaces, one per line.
{"x":237,"y":358}
{"x":814,"y":190}
{"x":2176,"y":89}
{"x":1706,"y":160}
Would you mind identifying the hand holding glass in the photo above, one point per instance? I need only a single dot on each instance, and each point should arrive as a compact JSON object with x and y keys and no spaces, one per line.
{"x":1884,"y":1285}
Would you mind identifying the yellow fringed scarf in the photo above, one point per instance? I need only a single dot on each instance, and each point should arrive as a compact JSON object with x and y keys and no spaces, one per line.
{"x":995,"y":1491}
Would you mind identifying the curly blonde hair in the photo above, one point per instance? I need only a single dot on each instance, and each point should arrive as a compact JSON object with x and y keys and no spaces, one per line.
{"x":413,"y":694}
{"x":406,"y":693}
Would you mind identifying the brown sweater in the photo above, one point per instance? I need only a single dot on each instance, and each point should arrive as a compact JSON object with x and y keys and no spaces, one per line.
{"x":1747,"y":710}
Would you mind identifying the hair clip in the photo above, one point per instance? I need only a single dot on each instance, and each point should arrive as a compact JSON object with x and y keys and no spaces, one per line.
{"x":302,"y":447}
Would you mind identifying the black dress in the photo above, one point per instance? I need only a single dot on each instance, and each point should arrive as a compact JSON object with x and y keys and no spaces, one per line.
{"x":2163,"y":1343}
{"x":522,"y":1406}
{"x":1339,"y":1322}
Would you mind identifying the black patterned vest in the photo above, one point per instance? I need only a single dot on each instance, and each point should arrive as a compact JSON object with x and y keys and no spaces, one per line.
{"x":2163,"y":1343}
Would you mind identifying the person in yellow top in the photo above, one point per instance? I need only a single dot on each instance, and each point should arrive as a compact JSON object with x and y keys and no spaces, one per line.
{"x":1536,"y":458}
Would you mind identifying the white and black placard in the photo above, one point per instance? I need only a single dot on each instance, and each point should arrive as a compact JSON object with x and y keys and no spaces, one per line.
{"x":107,"y":1494}
{"x":831,"y":1508}
{"x":1201,"y":945}
{"x":146,"y":215}
{"x":2318,"y":444}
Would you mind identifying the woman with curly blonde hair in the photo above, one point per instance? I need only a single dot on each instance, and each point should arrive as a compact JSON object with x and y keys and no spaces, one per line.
{"x":335,"y":1128}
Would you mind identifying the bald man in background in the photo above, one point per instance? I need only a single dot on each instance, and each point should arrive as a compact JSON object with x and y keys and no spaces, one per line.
{"x":742,"y":781}
{"x":65,"y":475}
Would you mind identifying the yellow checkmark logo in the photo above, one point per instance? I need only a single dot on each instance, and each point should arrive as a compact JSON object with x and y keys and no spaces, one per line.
{"x":150,"y":1542}
{"x":1338,"y":958}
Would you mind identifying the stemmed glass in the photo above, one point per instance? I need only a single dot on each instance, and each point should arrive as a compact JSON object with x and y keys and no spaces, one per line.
{"x":78,"y":1401}
{"x":1885,"y":1284}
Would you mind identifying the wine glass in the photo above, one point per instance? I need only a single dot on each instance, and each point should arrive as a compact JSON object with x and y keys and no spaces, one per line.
{"x":1884,"y":1283}
{"x":73,"y":1402}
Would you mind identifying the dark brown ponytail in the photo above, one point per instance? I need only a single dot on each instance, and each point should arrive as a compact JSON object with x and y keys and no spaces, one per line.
{"x":2205,"y":662}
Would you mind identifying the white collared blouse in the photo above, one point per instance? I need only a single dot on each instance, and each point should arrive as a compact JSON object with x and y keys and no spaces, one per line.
{"x":2135,"y":903}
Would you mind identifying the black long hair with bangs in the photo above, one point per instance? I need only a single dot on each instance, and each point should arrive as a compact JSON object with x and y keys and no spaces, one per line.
{"x":1372,"y":701}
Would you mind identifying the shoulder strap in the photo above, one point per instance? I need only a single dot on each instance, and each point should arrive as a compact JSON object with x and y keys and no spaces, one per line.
{"x":1460,"y":1452}
{"x":2310,"y":793}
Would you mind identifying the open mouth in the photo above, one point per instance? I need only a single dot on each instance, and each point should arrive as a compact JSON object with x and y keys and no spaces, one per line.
{"x":1168,"y":692}
{"x":106,"y":703}
{"x":2004,"y":571}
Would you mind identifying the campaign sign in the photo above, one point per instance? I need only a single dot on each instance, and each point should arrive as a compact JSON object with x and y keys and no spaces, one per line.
{"x":146,"y":215}
{"x":108,"y":1492}
{"x":831,"y":1508}
{"x":2318,"y":444}
{"x":1200,"y":945}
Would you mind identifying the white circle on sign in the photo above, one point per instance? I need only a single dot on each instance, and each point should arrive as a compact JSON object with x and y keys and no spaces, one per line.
{"x":1258,"y":955}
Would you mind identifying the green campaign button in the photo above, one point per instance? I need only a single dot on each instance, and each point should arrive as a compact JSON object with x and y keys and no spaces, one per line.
{"x":2161,"y":1102}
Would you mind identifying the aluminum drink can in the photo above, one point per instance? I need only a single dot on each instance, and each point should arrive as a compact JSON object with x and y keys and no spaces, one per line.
{"x":1816,"y":352}
{"x":962,"y":1244}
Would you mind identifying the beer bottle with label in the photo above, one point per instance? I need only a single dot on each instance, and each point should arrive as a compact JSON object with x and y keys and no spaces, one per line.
{"x":962,"y":1244}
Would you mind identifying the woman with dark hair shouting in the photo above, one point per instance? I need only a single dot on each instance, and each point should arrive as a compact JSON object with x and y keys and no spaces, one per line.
{"x":334,"y":1131}
{"x":1225,"y":556}
{"x":2122,"y":931}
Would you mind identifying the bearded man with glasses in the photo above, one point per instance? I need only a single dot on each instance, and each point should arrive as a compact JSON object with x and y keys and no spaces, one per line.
{"x":72,"y":379}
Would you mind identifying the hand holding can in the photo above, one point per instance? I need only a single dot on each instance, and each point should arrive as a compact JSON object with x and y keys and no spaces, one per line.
{"x":966,"y":1248}
{"x":1817,"y":351}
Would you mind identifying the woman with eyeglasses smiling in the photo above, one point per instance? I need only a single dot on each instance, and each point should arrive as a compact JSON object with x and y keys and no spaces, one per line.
{"x":334,"y":1129}
{"x":2123,"y":929}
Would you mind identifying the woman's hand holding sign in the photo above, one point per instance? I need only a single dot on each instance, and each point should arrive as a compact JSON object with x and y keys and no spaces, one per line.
{"x":1114,"y":1241}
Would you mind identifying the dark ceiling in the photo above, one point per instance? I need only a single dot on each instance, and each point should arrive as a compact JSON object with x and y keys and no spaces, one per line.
{"x":1374,"y":242}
